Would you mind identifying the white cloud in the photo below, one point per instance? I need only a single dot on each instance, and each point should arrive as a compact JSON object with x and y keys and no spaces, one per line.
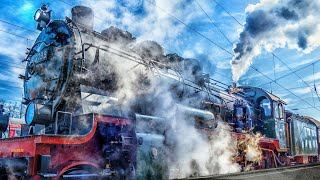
{"x":312,"y":77}
{"x":155,"y":25}
{"x":303,"y":91}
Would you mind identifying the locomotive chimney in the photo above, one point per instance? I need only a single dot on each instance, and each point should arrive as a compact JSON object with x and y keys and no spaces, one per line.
{"x":83,"y":15}
{"x":234,"y":85}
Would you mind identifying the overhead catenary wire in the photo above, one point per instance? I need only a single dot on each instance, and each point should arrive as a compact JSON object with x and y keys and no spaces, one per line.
{"x":173,"y":17}
{"x":314,"y":80}
{"x":297,"y":76}
{"x":195,"y":31}
{"x":295,"y":88}
{"x":11,"y":63}
{"x":213,"y":23}
{"x":274,"y":56}
{"x":291,"y":92}
{"x":4,"y":64}
{"x":16,"y":35}
{"x":315,"y":62}
{"x":219,"y":28}
{"x":274,"y":68}
{"x":302,"y":108}
{"x":228,"y":12}
{"x":21,"y":27}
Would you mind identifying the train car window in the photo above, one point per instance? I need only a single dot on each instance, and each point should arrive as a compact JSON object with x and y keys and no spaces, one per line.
{"x":281,"y":111}
{"x":266,"y":106}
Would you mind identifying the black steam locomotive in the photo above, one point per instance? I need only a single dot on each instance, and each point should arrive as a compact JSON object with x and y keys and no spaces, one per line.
{"x":90,"y":100}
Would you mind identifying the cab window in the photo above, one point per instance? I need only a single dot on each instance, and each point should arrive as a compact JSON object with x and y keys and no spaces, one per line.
{"x":239,"y":112}
{"x":281,"y":111}
{"x":266,"y":106}
{"x":276,"y":110}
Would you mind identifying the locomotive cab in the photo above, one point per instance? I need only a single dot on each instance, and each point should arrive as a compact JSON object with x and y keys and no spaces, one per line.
{"x":269,"y":110}
{"x":242,"y":117}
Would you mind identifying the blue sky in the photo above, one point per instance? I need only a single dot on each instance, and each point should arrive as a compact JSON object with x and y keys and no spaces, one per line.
{"x":148,"y":22}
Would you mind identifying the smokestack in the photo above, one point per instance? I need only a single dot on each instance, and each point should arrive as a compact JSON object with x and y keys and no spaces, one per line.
{"x":83,"y":15}
{"x":234,"y":85}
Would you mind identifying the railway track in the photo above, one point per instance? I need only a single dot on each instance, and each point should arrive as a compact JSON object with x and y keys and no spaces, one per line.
{"x":299,"y":172}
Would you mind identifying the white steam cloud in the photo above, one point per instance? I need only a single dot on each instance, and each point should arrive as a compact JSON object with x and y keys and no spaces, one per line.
{"x":271,"y":24}
{"x":191,"y":152}
{"x":194,"y":153}
{"x":143,"y":19}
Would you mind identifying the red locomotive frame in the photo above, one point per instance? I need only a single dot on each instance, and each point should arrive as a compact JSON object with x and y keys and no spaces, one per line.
{"x":63,"y":151}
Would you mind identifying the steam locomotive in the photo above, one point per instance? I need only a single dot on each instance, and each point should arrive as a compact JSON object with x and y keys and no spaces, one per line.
{"x":83,"y":121}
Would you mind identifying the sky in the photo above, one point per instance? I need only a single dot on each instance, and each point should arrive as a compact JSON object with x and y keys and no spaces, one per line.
{"x":181,"y":27}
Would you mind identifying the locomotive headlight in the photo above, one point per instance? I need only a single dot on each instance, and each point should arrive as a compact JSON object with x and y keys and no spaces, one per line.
{"x":30,"y":113}
{"x":37,"y":15}
{"x":42,"y":16}
{"x":38,"y":114}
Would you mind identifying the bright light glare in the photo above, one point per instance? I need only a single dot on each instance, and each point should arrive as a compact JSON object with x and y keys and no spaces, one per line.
{"x":37,"y":15}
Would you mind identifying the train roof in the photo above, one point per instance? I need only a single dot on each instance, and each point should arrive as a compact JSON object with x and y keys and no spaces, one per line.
{"x":316,"y":122}
{"x":270,"y":95}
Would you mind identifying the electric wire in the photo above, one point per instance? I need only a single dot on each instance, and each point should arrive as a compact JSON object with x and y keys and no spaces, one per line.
{"x":213,"y":23}
{"x":294,"y":88}
{"x":291,"y":92}
{"x":297,"y":76}
{"x":317,"y":61}
{"x":4,"y":64}
{"x":19,"y":26}
{"x":173,"y":17}
{"x":195,"y":31}
{"x":228,"y":13}
{"x":16,"y":35}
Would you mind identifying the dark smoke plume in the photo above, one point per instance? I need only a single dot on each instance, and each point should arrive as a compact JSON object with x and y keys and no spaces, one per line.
{"x":270,"y":24}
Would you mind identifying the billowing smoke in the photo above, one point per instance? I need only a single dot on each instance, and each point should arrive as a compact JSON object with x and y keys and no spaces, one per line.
{"x":272,"y":24}
{"x":196,"y":155}
{"x":155,"y":88}
{"x":142,"y":89}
